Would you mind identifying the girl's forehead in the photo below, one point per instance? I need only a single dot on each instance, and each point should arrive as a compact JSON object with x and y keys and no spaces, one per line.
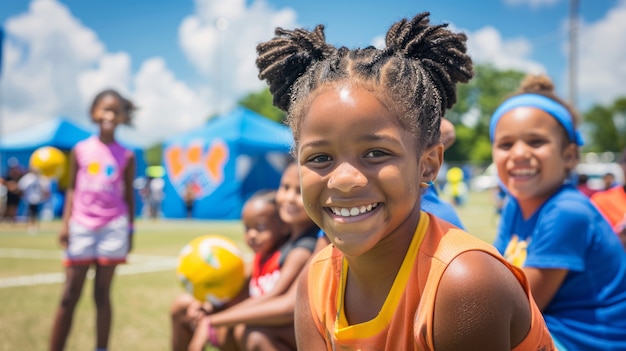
{"x":527,"y":121}
{"x":260,"y":204}
{"x":109,"y":100}
{"x":348,"y":107}
{"x":259,"y":207}
{"x":346,"y":99}
{"x":528,"y":116}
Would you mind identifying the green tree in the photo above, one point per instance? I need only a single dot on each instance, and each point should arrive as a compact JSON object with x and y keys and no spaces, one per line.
{"x":476,"y":102}
{"x":606,"y":127}
{"x":261,"y":103}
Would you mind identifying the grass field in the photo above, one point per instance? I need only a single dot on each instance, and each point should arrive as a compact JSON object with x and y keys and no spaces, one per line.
{"x":31,"y":281}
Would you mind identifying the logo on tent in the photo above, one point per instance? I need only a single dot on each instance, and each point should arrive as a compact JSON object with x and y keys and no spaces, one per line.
{"x":196,"y":166}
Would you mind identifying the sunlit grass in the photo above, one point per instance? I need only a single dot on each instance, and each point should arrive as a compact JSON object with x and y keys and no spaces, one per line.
{"x":141,"y":301}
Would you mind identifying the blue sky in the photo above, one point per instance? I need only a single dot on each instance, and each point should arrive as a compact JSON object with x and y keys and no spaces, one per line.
{"x":169,"y":57}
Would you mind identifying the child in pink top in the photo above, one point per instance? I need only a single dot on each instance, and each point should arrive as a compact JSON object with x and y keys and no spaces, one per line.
{"x":98,"y":216}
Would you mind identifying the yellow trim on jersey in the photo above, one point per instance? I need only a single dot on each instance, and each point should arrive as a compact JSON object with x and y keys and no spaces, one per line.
{"x":343,"y":331}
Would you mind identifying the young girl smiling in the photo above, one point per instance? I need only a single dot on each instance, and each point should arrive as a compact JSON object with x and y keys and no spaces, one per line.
{"x":366,"y":125}
{"x":575,"y":264}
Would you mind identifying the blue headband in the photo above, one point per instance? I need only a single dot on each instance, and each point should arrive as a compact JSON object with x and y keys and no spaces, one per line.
{"x":556,"y":110}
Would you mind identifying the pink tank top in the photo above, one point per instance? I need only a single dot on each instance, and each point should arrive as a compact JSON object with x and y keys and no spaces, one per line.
{"x":99,"y":187}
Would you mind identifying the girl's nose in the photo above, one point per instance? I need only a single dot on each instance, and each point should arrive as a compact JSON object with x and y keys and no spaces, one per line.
{"x":251,"y":234}
{"x":519,"y":150}
{"x":346,"y":177}
{"x":109,"y":115}
{"x":292,"y":194}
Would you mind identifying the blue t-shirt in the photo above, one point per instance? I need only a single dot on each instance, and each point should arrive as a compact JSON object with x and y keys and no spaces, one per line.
{"x":432,"y":203}
{"x":588,"y":312}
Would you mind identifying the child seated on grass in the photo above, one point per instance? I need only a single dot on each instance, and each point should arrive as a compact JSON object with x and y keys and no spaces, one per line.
{"x":265,"y":233}
{"x":252,"y":322}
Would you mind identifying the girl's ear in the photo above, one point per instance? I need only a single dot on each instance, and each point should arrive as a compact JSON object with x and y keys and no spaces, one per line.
{"x":571,"y":156}
{"x":431,"y":161}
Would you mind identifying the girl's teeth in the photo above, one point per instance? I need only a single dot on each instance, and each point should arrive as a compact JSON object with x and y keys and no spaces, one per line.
{"x":354,"y":211}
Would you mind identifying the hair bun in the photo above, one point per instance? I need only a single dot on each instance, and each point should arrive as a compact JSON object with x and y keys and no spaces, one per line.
{"x":283,"y":59}
{"x":440,"y":51}
{"x":537,"y":84}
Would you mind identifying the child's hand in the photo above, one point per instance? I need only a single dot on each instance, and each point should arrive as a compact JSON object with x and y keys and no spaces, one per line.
{"x":64,"y":238}
{"x":197,"y":310}
{"x":131,"y":234}
{"x":206,"y":332}
{"x":194,"y":308}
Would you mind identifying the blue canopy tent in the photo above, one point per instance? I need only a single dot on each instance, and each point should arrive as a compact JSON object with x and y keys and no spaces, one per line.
{"x":223,"y":163}
{"x":60,"y":133}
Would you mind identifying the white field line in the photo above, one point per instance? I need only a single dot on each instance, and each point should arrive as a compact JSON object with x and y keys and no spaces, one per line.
{"x":136,"y":264}
{"x":58,"y":254}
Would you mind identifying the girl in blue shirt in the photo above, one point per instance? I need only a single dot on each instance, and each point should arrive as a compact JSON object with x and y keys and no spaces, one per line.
{"x":574,"y":262}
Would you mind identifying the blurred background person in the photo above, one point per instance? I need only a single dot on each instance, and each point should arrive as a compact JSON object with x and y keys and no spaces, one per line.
{"x":35,"y":190}
{"x":609,"y":180}
{"x":612,"y":204}
{"x":189,"y":197}
{"x":13,"y":193}
{"x":583,"y":185}
{"x":152,"y":194}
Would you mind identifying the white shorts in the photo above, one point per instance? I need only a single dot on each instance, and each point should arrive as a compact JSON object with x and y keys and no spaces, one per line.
{"x":107,"y":245}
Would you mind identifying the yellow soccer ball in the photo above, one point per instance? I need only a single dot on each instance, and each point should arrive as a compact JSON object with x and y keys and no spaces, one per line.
{"x":49,"y":161}
{"x":211,"y":268}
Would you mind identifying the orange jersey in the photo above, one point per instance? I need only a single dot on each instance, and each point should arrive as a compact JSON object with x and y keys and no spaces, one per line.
{"x":612,"y":204}
{"x":405,"y":321}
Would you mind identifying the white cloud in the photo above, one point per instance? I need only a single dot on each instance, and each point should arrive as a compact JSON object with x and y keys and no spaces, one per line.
{"x":378,"y":42}
{"x":226,"y":56}
{"x":54,"y":66}
{"x":532,"y":3}
{"x":111,"y":71}
{"x":486,"y":45}
{"x":166,"y":106}
{"x":46,"y":49}
{"x":602,"y":57}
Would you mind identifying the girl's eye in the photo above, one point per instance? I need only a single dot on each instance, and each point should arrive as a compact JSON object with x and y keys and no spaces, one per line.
{"x":114,"y":110}
{"x":536,"y":142}
{"x":320,"y":158}
{"x":376,"y":153}
{"x":505,"y":146}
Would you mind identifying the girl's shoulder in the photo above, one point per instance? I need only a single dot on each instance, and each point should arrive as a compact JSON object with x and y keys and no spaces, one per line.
{"x":565,"y":202}
{"x":569,"y":201}
{"x":85,"y":142}
{"x":306,"y":240}
{"x":307,"y":236}
{"x":570,"y":210}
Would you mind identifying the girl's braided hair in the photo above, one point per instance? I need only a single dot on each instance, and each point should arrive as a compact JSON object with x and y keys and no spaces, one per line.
{"x":415,"y":75}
